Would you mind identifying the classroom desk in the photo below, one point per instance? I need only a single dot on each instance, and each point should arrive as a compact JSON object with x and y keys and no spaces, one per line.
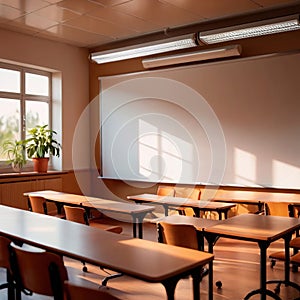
{"x":136,"y":212}
{"x":145,"y":260}
{"x":251,"y":197}
{"x":260,"y":229}
{"x":196,"y":205}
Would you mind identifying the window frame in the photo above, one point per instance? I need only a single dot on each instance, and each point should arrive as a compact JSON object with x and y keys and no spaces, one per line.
{"x":23,"y":97}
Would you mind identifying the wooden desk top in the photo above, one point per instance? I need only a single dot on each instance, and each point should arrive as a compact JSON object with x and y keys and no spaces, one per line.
{"x":177,"y":201}
{"x":255,"y":227}
{"x":250,"y":196}
{"x":86,"y":201}
{"x":146,"y":260}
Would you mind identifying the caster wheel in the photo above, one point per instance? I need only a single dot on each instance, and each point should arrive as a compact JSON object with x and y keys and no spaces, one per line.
{"x":273,"y":263}
{"x":219,"y":284}
{"x":277,"y":289}
{"x":84,"y":269}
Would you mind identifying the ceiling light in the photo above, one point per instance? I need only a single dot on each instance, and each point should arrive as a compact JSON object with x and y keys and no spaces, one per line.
{"x":221,"y":52}
{"x":250,"y":30}
{"x":145,"y":49}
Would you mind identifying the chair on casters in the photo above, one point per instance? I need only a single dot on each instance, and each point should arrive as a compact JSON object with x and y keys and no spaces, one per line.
{"x":39,"y":205}
{"x":79,"y":215}
{"x":281,"y":209}
{"x":5,"y":263}
{"x":37,"y":271}
{"x":77,"y":292}
{"x":182,"y":235}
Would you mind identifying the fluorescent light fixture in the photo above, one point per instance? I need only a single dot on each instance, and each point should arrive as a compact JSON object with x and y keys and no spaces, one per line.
{"x":221,"y":52}
{"x":171,"y":44}
{"x":248,"y":30}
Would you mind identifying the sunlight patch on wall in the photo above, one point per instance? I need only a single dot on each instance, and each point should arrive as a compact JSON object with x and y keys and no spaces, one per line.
{"x":244,"y":167}
{"x":285,"y":175}
{"x":160,"y":157}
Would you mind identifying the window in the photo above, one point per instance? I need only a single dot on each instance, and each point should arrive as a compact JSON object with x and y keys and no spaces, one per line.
{"x":25,"y":101}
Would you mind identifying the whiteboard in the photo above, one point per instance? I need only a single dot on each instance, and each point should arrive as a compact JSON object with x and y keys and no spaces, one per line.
{"x":231,"y":123}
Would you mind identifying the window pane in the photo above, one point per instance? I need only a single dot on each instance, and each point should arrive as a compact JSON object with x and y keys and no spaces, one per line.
{"x":9,"y":121}
{"x":37,"y":113}
{"x":9,"y":81}
{"x":36,"y":84}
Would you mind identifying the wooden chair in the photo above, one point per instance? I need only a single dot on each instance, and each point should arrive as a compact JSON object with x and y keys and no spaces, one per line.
{"x":79,"y":215}
{"x":182,"y":235}
{"x":5,"y":263}
{"x":165,"y":191}
{"x":39,"y":205}
{"x":281,"y":209}
{"x":77,"y":292}
{"x":37,"y":271}
{"x":193,"y":194}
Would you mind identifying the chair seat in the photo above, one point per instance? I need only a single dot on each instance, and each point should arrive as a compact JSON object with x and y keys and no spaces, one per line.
{"x":280,"y":255}
{"x":295,"y":243}
{"x":98,"y":224}
{"x":295,"y":259}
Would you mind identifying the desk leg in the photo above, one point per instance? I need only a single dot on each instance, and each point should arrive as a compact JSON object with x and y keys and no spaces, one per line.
{"x":137,"y":221}
{"x":211,"y":242}
{"x":196,"y":212}
{"x":134,"y":225}
{"x":170,"y":286}
{"x":166,"y":208}
{"x":263,"y":291}
{"x":196,"y":275}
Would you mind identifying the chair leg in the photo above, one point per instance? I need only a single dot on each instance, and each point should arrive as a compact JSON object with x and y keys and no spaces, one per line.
{"x":84,"y":268}
{"x":112,"y":276}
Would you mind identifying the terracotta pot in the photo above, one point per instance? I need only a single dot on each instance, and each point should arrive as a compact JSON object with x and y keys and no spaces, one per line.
{"x":40,"y":165}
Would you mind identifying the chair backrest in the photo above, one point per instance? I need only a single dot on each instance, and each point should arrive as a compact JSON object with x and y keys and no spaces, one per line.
{"x":76,"y":214}
{"x":38,"y":271}
{"x":278,"y":209}
{"x":77,"y":292}
{"x":182,"y":235}
{"x":191,"y":193}
{"x":4,"y":252}
{"x":38,"y":204}
{"x":165,"y":191}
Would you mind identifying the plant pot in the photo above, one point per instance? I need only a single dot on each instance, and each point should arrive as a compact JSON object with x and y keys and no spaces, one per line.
{"x":40,"y":165}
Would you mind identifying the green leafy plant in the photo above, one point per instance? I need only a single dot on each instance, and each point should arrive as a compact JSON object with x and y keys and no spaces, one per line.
{"x":41,"y":143}
{"x":15,"y":152}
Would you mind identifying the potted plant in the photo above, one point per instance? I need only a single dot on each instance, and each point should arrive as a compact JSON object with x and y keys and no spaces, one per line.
{"x":15,"y":152}
{"x":40,"y":145}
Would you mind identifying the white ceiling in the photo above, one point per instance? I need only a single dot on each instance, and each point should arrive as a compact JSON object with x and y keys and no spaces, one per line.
{"x":90,"y":23}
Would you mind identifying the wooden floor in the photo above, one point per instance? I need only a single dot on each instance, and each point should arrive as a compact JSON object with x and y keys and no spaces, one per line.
{"x":236,"y":264}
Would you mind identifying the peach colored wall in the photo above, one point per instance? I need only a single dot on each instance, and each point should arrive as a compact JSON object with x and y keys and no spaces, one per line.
{"x":73,"y":64}
{"x":258,"y":46}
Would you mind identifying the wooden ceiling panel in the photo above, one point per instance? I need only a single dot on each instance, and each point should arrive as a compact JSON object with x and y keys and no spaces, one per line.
{"x":267,"y":3}
{"x":158,"y":12}
{"x":118,"y":17}
{"x":9,"y":13}
{"x":34,"y":21}
{"x":80,"y":6}
{"x":56,"y":13}
{"x":105,"y":21}
{"x":69,"y":34}
{"x":98,"y":26}
{"x":25,"y":5}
